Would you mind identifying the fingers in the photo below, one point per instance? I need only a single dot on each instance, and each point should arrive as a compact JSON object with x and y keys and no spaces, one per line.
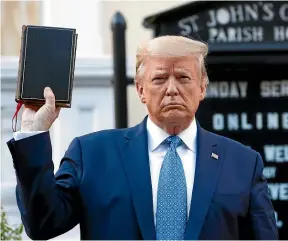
{"x":32,"y":107}
{"x":49,"y":101}
{"x":28,"y":113}
{"x":49,"y":97}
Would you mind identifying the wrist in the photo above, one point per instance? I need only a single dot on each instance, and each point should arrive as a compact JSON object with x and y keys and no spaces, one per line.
{"x":26,"y":127}
{"x":32,"y":127}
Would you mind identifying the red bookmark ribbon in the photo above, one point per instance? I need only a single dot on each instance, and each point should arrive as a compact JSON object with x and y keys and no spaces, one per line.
{"x":18,"y":107}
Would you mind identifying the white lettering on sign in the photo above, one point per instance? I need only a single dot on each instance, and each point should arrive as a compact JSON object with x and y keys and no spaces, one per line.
{"x":283,"y":12}
{"x":237,"y":122}
{"x":269,"y":172}
{"x":225,"y":89}
{"x":234,"y":122}
{"x":278,"y":222}
{"x":218,"y":122}
{"x":285,"y":120}
{"x":239,"y":34}
{"x":280,"y":33}
{"x":259,"y":121}
{"x":188,"y":25}
{"x":218,"y":23}
{"x":240,"y":13}
{"x":277,"y":89}
{"x":278,"y":191}
{"x":276,"y":153}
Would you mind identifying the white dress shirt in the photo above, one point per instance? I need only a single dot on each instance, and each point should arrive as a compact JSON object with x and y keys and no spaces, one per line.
{"x":156,"y":136}
{"x":21,"y":135}
{"x":186,"y":151}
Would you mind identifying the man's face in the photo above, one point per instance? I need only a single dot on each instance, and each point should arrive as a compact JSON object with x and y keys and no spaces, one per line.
{"x":172,"y":88}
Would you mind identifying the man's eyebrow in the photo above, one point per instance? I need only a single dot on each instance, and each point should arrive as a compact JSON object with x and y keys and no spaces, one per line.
{"x":183,"y":70}
{"x":161,"y":69}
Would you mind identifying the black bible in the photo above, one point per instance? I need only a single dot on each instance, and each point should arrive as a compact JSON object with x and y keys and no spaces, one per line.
{"x":47,"y":58}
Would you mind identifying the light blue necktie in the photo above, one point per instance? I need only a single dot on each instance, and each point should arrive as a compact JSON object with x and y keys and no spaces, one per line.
{"x":171,"y":212}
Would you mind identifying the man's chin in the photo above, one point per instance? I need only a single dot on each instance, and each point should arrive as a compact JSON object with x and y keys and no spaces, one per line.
{"x":174,"y":115}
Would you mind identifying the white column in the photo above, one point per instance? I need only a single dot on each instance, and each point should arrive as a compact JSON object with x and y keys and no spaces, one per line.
{"x":85,"y":119}
{"x":56,"y":141}
{"x":46,"y":12}
{"x":85,"y":16}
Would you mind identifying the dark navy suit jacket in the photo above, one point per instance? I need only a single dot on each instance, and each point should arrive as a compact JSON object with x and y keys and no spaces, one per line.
{"x":104,"y":185}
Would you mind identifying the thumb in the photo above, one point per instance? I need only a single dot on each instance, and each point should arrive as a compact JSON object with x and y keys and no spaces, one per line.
{"x":57,"y":111}
{"x":49,"y":97}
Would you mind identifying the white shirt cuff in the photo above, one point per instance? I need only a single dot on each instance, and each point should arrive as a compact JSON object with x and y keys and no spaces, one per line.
{"x":21,"y":135}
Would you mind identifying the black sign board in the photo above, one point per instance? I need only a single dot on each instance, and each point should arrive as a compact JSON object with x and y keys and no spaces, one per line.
{"x":246,"y":101}
{"x":255,"y":25}
{"x":251,"y":106}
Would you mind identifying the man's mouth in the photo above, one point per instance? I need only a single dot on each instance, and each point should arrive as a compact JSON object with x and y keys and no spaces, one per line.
{"x":173,"y":105}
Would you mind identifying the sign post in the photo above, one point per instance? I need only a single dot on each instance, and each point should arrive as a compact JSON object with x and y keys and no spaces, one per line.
{"x":118,"y":27}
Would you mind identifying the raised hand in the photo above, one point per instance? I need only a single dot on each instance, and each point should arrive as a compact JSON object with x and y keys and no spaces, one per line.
{"x":40,"y":118}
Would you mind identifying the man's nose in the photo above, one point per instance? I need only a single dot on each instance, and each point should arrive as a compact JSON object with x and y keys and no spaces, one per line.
{"x":172,"y":87}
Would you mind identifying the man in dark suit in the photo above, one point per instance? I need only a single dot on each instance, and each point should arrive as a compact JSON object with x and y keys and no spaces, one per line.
{"x":166,"y":178}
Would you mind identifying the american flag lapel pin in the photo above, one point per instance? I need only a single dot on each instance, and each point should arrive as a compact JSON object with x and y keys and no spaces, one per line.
{"x":215,"y":156}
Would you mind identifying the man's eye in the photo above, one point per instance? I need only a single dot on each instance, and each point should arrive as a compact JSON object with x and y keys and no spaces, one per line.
{"x":158,"y":78}
{"x":184,"y":79}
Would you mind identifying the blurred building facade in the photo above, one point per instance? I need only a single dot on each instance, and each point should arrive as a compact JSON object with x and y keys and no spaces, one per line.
{"x":92,"y":106}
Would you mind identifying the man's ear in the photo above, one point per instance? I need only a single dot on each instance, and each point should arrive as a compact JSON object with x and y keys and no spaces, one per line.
{"x":140,"y":91}
{"x":203,"y":87}
{"x":203,"y":91}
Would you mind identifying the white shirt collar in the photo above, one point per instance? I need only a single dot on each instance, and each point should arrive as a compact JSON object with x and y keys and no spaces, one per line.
{"x":156,"y":135}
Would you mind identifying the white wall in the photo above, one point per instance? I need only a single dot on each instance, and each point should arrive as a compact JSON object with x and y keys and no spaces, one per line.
{"x":83,"y":15}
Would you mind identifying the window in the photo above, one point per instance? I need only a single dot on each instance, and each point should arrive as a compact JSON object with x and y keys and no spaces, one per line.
{"x":14,"y":14}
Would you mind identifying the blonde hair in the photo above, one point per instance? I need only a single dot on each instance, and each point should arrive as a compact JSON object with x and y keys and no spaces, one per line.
{"x":171,"y":46}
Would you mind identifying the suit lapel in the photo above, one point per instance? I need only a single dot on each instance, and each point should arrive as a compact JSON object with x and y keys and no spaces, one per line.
{"x":135,"y":158}
{"x":206,"y":175}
